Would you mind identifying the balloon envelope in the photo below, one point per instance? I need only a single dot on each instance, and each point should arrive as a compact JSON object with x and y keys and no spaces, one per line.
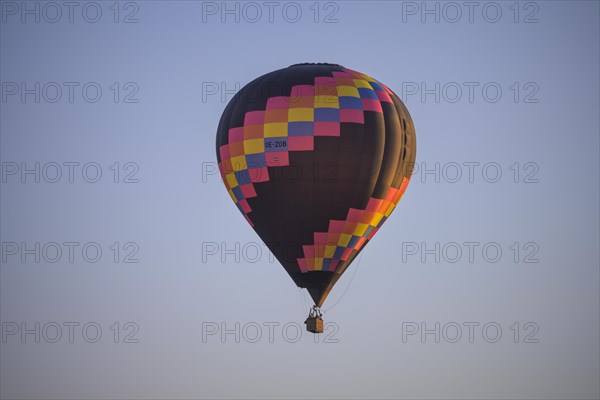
{"x":316,"y":157}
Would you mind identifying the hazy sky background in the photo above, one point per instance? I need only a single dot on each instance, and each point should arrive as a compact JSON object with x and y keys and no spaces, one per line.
{"x":170,"y":61}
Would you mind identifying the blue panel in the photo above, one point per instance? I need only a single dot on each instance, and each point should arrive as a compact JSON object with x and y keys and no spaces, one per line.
{"x":237,"y":192}
{"x":350,"y":102}
{"x":367,"y":94}
{"x":376,"y":86}
{"x":327,"y":115}
{"x":242,"y":177}
{"x":353,"y":241}
{"x":301,"y":128}
{"x":276,"y":144}
{"x":256,"y":160}
{"x":337,"y":254}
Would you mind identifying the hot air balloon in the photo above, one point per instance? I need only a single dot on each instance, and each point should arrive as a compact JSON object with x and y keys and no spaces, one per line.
{"x":316,"y":157}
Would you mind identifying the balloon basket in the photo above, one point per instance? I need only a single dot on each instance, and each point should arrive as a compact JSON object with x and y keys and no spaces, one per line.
{"x":314,"y":322}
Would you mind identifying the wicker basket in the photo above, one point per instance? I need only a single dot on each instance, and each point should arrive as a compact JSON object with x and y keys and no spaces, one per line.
{"x":314,"y":324}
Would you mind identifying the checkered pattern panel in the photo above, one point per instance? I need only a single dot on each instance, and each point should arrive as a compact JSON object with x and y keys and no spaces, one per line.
{"x":344,"y":238}
{"x":291,"y":124}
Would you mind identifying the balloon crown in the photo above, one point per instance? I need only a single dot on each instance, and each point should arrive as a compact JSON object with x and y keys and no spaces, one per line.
{"x":308,"y":63}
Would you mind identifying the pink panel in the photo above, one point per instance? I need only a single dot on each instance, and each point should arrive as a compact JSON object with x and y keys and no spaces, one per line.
{"x":309,"y":251}
{"x":259,"y":174}
{"x":224,"y":152}
{"x":354,"y":215}
{"x":351,"y":115}
{"x":248,"y":190}
{"x":254,"y":118}
{"x":383,"y":96}
{"x":244,"y":205}
{"x":277,"y":159}
{"x":236,"y":134}
{"x":374,"y":204}
{"x":320,"y":238}
{"x":371,"y":105}
{"x":301,"y":143}
{"x":336,"y":226}
{"x":302,"y":264}
{"x":278,"y":102}
{"x":327,"y":129}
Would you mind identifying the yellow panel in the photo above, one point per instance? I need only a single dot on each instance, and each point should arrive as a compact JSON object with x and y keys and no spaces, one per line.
{"x":363,"y":84}
{"x":329,"y":251}
{"x":344,"y":239}
{"x":231,"y":179}
{"x":360,"y":229}
{"x":253,"y":146}
{"x":301,"y":114}
{"x":276,"y":129}
{"x":376,"y":219}
{"x":327,"y":101}
{"x":232,"y":196}
{"x":239,"y":163}
{"x":318,"y":264}
{"x":348,"y":91}
{"x":389,"y":210}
